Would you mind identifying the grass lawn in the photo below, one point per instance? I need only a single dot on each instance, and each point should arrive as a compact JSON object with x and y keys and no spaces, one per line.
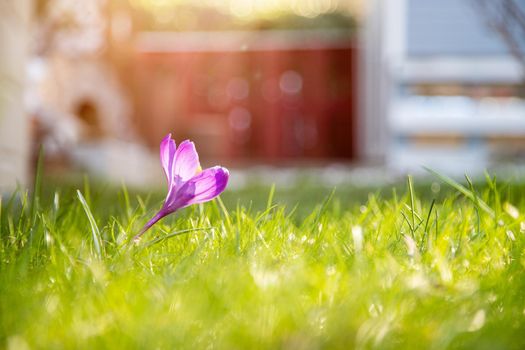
{"x":299,"y":268}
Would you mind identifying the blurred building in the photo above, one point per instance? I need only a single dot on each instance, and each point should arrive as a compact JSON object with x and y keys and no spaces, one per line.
{"x":249,"y":80}
{"x":398,"y":82}
{"x":268,"y":95}
{"x":451,"y":89}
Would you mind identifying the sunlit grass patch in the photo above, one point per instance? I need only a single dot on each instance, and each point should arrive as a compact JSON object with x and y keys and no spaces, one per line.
{"x":301,"y":268}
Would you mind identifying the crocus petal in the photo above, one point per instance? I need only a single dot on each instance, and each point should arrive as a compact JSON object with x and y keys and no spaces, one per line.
{"x":203,"y":187}
{"x":167,"y":154}
{"x":186,"y":162}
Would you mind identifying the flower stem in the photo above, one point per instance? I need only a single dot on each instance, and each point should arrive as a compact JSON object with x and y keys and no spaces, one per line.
{"x":150,"y":223}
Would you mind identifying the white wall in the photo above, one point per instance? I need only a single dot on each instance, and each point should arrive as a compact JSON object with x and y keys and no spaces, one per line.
{"x":14,"y":128}
{"x":382,"y":53}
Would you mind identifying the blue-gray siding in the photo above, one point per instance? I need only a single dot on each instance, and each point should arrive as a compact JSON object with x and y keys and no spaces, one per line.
{"x":450,"y":27}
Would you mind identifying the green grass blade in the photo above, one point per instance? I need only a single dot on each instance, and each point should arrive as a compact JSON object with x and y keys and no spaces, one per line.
{"x":174,"y":234}
{"x":412,"y":209}
{"x":463,"y":190}
{"x":224,"y":211}
{"x":270,"y":197}
{"x":37,"y":186}
{"x":97,"y":238}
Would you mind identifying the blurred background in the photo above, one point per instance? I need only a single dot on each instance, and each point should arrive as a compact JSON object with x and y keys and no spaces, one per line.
{"x":348,"y":88}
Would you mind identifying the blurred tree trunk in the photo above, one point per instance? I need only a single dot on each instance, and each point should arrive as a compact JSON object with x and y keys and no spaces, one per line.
{"x":15,"y":18}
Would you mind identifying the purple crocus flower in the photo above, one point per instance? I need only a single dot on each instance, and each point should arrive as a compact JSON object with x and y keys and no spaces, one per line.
{"x":187,"y":182}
